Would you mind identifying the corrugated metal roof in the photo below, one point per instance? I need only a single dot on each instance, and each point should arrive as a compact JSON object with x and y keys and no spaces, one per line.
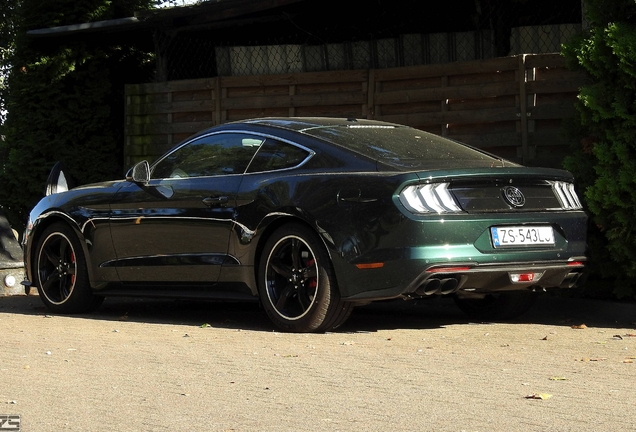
{"x":198,"y":15}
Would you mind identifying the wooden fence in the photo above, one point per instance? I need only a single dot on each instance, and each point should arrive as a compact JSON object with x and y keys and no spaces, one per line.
{"x":511,"y":106}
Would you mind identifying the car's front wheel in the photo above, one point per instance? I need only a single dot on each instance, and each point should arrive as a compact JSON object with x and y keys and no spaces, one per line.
{"x":297,"y":284}
{"x":496,"y":306}
{"x":60,"y":272}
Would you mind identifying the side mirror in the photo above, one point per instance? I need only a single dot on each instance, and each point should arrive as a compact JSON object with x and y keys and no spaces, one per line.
{"x":140,"y":173}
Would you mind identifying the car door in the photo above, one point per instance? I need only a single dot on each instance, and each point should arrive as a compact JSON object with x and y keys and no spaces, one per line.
{"x":177,"y":227}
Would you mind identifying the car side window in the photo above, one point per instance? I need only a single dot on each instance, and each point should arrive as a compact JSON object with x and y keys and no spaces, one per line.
{"x":274,"y":155}
{"x":213,"y":155}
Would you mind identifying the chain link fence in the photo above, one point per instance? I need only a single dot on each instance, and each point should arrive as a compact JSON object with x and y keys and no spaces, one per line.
{"x":496,"y":28}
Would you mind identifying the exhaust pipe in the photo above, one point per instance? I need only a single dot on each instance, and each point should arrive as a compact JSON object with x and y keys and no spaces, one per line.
{"x":571,"y":280}
{"x":448,"y":286}
{"x":438,"y":286}
{"x":429,"y":287}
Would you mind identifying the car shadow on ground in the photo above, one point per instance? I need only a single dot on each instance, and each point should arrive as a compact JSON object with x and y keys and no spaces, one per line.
{"x":244,"y":315}
{"x":428,"y":313}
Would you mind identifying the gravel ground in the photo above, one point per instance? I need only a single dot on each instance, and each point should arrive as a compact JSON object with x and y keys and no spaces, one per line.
{"x":400,"y":366}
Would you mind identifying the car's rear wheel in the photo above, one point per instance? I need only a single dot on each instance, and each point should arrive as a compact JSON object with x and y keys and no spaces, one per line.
{"x":297,"y":284}
{"x":496,"y":306}
{"x":60,"y":272}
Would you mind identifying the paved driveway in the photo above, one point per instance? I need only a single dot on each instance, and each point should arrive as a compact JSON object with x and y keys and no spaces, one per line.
{"x":401,"y":366}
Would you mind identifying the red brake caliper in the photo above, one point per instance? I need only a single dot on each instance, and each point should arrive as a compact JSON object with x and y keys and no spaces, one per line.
{"x":73,"y":262}
{"x":314,"y":282}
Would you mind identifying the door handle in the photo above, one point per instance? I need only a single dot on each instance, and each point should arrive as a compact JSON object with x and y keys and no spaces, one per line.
{"x":215,"y":201}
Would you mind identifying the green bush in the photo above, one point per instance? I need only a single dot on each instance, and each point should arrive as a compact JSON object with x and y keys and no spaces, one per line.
{"x":605,"y":161}
{"x":64,"y":99}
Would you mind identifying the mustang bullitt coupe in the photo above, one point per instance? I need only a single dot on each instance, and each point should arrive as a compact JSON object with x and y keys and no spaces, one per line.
{"x":312,"y":217}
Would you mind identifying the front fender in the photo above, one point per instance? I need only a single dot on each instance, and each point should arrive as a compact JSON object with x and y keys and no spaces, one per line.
{"x":36,"y":225}
{"x":86,"y":210}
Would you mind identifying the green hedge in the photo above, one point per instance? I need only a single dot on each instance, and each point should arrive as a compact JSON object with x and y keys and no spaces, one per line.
{"x":65,"y":100}
{"x":605,"y":161}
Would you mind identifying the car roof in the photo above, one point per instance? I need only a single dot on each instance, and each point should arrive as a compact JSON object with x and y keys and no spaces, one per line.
{"x":301,"y":124}
{"x":390,"y":146}
{"x":399,"y":147}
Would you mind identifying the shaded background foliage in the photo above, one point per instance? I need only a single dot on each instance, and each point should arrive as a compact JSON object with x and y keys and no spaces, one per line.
{"x":605,"y":161}
{"x":7,"y":42}
{"x":64,"y":102}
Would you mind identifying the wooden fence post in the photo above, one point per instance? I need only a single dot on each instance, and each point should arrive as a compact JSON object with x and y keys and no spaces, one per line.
{"x":371,"y":94}
{"x":217,"y":101}
{"x":523,"y":110}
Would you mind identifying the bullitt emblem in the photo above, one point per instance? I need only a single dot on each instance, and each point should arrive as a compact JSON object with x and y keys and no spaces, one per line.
{"x":513,"y":196}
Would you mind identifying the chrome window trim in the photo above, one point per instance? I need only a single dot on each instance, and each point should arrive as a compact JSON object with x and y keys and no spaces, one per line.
{"x":310,"y":152}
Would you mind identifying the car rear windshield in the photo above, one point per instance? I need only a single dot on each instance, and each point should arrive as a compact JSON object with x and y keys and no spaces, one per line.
{"x":404,"y":147}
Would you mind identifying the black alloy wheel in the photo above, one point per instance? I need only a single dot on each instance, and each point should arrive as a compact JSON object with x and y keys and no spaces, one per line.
{"x":61,"y":276}
{"x":297,"y":283}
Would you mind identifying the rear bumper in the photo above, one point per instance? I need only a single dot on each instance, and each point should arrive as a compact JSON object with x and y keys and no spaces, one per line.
{"x":484,"y":278}
{"x":508,"y":277}
{"x":394,"y":257}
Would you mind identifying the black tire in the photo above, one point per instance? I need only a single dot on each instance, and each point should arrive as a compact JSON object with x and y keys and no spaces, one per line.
{"x":296,"y":283}
{"x":497,"y":306}
{"x":60,"y":272}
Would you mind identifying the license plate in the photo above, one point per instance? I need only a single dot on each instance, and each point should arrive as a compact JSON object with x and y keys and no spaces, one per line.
{"x":522,"y":236}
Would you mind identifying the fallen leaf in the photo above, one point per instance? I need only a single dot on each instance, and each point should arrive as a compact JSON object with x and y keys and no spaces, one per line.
{"x":579,"y":327}
{"x":542,"y":396}
{"x":545,"y":338}
{"x":556,"y":378}
{"x":630,"y":335}
{"x":618,"y":337}
{"x":628,"y":361}
{"x":290,"y":355}
{"x":206,"y":325}
{"x":585,"y":359}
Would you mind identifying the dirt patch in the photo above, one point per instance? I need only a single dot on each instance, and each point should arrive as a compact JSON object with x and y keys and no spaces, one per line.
{"x":401,"y":366}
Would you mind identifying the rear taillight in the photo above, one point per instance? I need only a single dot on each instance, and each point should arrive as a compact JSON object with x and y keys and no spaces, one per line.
{"x":566,"y":195}
{"x":429,"y":198}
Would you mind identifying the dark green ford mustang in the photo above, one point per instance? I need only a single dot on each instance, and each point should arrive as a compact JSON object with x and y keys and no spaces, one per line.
{"x":312,"y":216}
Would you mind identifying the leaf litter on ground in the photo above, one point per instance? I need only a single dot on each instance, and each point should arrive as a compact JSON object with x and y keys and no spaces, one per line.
{"x":542,"y":396}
